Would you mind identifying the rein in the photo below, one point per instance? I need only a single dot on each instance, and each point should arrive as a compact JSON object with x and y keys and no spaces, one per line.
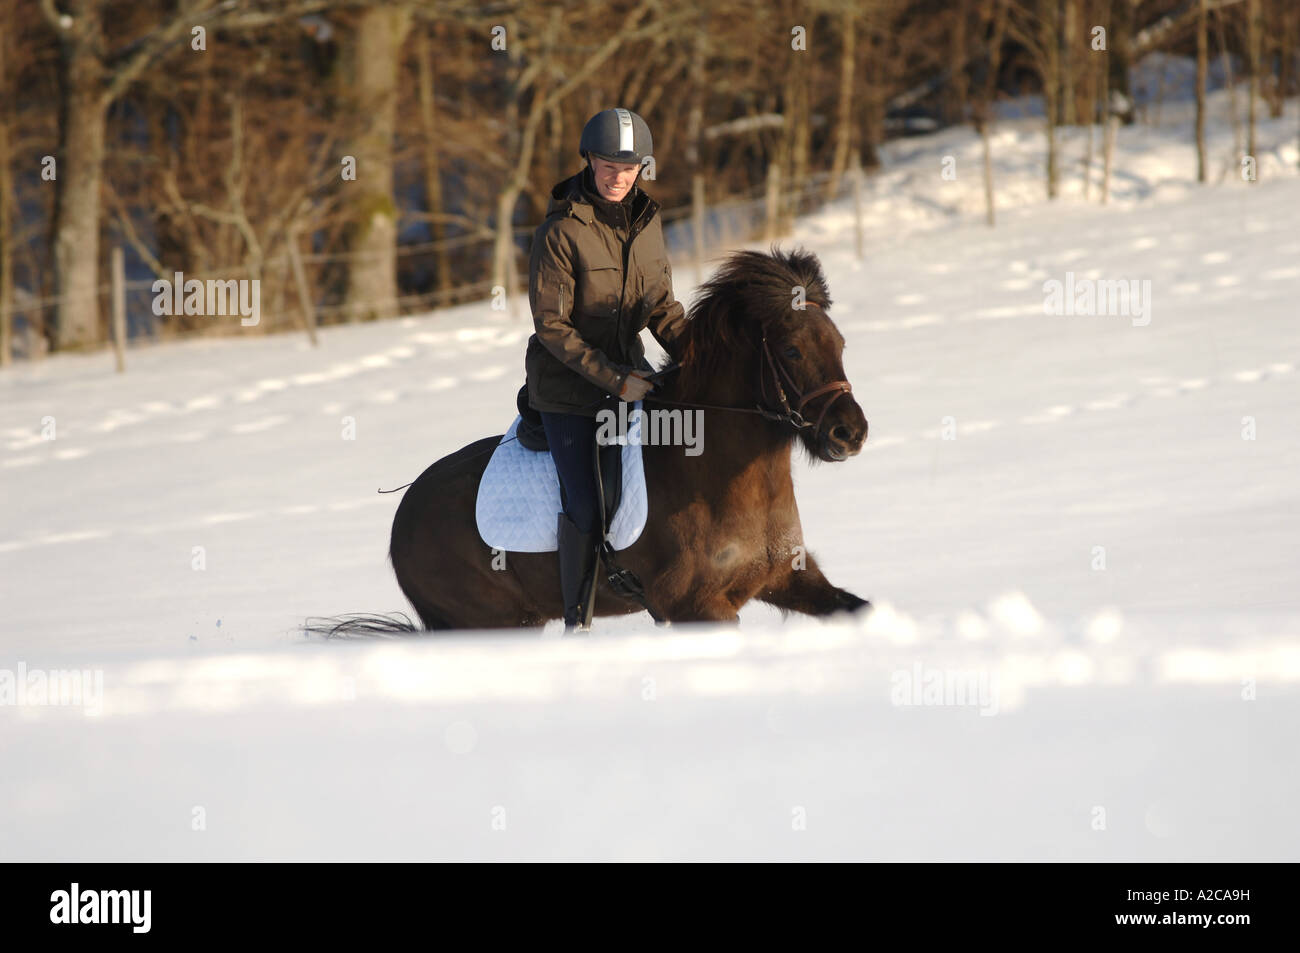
{"x":787,"y":414}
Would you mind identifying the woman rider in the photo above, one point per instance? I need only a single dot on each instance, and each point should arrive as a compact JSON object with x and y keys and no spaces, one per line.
{"x":598,"y":275}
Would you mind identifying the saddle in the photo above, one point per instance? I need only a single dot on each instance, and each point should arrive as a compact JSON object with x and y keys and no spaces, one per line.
{"x":502,"y":517}
{"x":531,"y":435}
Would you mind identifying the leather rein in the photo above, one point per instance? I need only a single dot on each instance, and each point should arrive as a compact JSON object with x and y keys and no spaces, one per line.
{"x":787,"y":414}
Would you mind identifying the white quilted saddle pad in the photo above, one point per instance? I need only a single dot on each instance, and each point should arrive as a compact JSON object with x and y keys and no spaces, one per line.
{"x":519,"y":496}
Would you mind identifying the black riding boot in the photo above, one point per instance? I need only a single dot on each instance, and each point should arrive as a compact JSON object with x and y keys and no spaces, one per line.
{"x":578,"y":559}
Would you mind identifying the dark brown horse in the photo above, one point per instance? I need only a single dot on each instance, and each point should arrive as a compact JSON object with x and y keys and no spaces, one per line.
{"x":723,"y":525}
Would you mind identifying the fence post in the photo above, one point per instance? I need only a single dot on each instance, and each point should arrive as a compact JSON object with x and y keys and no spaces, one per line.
{"x":697,"y":217}
{"x":773,"y":224}
{"x":119,"y":307}
{"x":512,"y":281}
{"x":304,"y":295}
{"x":1112,"y":124}
{"x":857,"y":204}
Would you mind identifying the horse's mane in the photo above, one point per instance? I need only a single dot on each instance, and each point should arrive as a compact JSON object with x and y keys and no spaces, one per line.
{"x":748,"y":293}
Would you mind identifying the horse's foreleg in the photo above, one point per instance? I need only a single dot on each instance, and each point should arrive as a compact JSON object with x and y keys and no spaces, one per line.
{"x":699,"y":607}
{"x":808,"y":591}
{"x":718,"y":611}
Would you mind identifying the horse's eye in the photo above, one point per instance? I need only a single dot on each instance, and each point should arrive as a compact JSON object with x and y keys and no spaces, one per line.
{"x":792,"y":352}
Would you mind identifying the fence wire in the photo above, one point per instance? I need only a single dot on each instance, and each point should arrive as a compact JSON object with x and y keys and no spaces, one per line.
{"x":738,"y":218}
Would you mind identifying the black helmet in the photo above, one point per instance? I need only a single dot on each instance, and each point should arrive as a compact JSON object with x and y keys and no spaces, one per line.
{"x":618,"y":135}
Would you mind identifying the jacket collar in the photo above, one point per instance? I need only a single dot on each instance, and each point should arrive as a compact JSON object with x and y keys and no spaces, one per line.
{"x":570,"y":198}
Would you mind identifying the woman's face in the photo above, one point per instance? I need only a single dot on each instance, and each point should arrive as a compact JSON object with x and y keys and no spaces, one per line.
{"x":614,"y":179}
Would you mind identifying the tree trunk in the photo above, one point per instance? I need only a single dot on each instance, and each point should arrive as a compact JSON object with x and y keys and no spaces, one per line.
{"x":561,"y":151}
{"x":844,"y":111}
{"x":695,"y":149}
{"x":1252,"y":60}
{"x":1048,"y":38}
{"x":82,"y":117}
{"x":1119,"y":58}
{"x":1202,"y":60}
{"x":1234,"y":113}
{"x":797,"y":121}
{"x":1108,"y":136}
{"x":372,"y":70}
{"x":1069,"y":13}
{"x":503,"y":247}
{"x":873,"y":124}
{"x":1284,"y":45}
{"x":957,"y":58}
{"x":432,"y":163}
{"x":996,"y":12}
{"x":6,"y":211}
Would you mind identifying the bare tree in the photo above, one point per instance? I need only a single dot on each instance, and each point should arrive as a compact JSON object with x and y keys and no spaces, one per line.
{"x":82,"y":106}
{"x":1069,"y":15}
{"x":994,"y":17}
{"x":369,"y":93}
{"x":1035,"y":26}
{"x":1202,"y":59}
{"x":844,"y":98}
{"x":432,"y":156}
{"x":93,"y":75}
{"x":1252,"y":64}
{"x":538,"y":66}
{"x":798,"y":117}
{"x":6,"y":193}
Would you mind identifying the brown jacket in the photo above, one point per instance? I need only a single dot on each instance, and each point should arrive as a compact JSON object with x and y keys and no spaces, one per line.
{"x":597,"y":276}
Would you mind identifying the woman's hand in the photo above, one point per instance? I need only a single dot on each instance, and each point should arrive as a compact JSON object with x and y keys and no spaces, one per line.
{"x":635,"y":387}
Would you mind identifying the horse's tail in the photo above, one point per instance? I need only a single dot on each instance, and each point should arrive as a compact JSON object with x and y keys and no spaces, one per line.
{"x":361,"y":626}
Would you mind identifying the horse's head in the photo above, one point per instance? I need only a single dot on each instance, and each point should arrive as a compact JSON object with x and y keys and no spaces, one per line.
{"x":804,"y":379}
{"x":766,"y":316}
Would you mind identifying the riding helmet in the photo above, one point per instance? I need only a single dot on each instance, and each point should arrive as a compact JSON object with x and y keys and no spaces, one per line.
{"x":618,"y":135}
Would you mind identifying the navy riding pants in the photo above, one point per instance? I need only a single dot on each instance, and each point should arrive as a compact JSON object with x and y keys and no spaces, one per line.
{"x":572,"y":439}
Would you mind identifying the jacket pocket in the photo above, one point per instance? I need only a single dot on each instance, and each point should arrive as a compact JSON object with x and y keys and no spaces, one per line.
{"x":598,"y":291}
{"x":656,"y":290}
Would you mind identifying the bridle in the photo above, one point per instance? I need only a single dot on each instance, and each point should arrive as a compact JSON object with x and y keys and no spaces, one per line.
{"x":794,"y":415}
{"x":786,"y":414}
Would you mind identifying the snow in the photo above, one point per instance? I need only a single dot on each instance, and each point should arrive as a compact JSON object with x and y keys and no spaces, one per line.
{"x":1085,"y":642}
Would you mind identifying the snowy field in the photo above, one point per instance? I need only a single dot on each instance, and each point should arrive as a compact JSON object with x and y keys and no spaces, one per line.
{"x":1085,"y":528}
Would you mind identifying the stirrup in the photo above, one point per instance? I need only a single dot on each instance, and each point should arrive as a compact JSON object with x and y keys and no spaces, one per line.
{"x":626,"y":583}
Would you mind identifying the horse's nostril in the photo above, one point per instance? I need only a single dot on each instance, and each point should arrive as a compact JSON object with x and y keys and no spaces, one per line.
{"x":840,"y":433}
